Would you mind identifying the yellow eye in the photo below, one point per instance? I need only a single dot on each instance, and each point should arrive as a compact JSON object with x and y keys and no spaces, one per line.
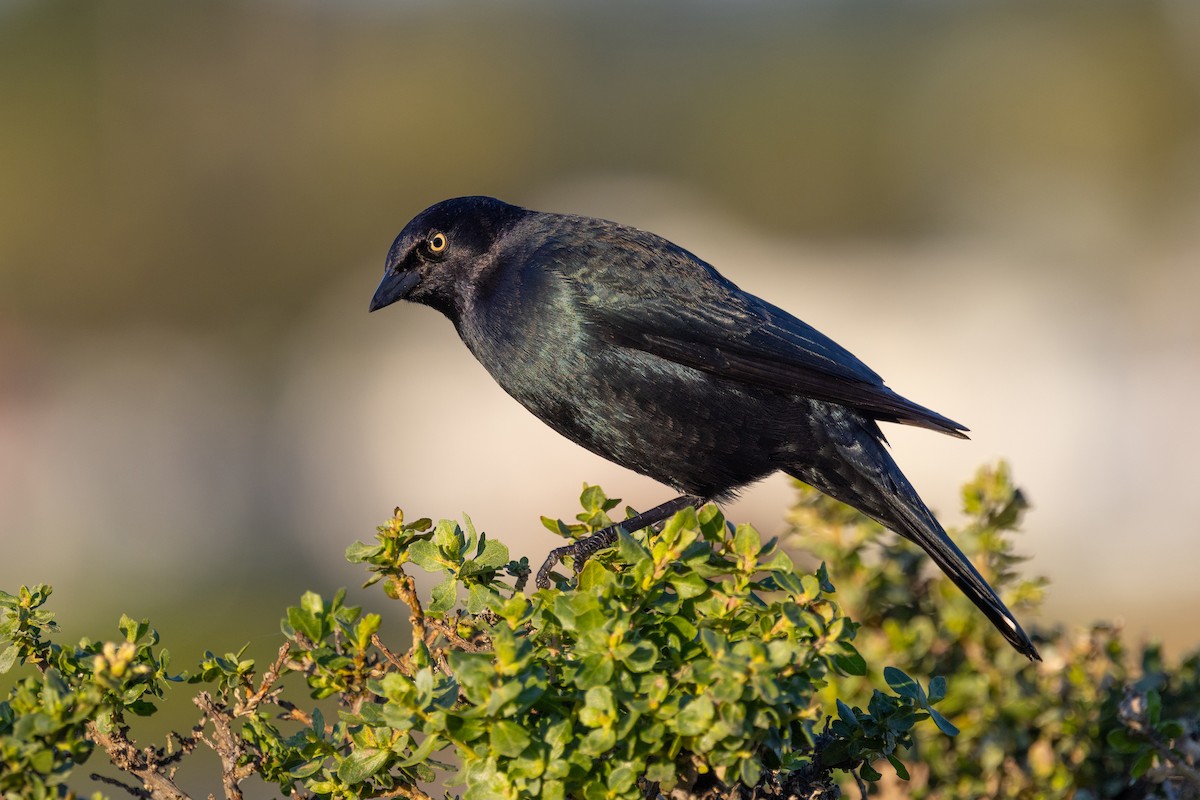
{"x":438,"y":242}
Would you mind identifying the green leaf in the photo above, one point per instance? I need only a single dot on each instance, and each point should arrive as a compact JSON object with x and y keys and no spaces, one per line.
{"x":448,"y":536}
{"x":480,"y":598}
{"x":1171,"y":730}
{"x":898,"y":765}
{"x":599,"y":710}
{"x":362,"y":764}
{"x":749,"y":771}
{"x":472,"y":535}
{"x":303,"y":621}
{"x":850,"y":664}
{"x":944,"y":725}
{"x":361,"y":552}
{"x":313,"y":603}
{"x":632,"y":552}
{"x":494,"y":556}
{"x":425,"y":554}
{"x":779,"y":561}
{"x":823,"y":578}
{"x":508,"y":738}
{"x":682,"y":626}
{"x":42,"y":761}
{"x":1120,"y":740}
{"x":594,"y":670}
{"x":712,"y":522}
{"x":443,"y":596}
{"x":422,"y":753}
{"x":937,"y":690}
{"x":622,"y":778}
{"x":1143,"y":764}
{"x":688,"y":585}
{"x":904,"y":686}
{"x":1153,"y":707}
{"x":423,"y":681}
{"x":557,"y":526}
{"x":367,"y":627}
{"x":133,"y":629}
{"x":318,"y":722}
{"x":306,"y":769}
{"x":8,"y":657}
{"x":746,"y":543}
{"x":142,"y":708}
{"x":695,"y":717}
{"x":593,"y":500}
{"x":641,"y":658}
{"x":598,"y":742}
{"x":661,"y":772}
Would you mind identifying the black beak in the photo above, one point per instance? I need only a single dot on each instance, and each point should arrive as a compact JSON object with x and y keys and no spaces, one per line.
{"x":394,"y":286}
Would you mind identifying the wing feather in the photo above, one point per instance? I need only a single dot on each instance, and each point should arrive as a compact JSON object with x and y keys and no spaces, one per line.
{"x":711,"y":325}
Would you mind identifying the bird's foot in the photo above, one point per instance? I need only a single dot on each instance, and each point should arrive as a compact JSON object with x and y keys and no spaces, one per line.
{"x":583,"y":549}
{"x":579,"y":552}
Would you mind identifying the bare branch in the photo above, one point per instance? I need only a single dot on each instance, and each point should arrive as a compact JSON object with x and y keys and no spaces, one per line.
{"x":406,"y":589}
{"x":133,"y":790}
{"x":227,"y":745}
{"x":407,"y":792}
{"x":392,"y":658}
{"x":252,"y":701}
{"x":145,"y":765}
{"x":443,"y":628}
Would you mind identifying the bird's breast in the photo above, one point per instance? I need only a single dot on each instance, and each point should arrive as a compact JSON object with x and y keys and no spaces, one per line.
{"x":651,"y":415}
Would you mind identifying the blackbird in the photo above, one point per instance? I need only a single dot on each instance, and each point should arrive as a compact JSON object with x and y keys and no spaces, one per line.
{"x":634,"y":348}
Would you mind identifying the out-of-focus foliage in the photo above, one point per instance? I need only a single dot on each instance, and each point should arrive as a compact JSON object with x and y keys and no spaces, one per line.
{"x":684,"y":663}
{"x":167,"y":152}
{"x":1096,"y":719}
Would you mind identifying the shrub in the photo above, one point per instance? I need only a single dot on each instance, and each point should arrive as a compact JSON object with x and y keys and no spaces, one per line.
{"x":695,"y":662}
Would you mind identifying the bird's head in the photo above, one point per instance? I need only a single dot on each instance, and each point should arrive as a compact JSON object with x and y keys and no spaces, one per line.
{"x":442,"y":252}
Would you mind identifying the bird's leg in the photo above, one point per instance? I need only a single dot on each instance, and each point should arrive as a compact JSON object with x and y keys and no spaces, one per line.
{"x":583,"y":549}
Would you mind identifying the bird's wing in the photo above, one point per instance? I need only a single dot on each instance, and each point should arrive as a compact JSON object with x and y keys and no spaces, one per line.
{"x":685,"y":311}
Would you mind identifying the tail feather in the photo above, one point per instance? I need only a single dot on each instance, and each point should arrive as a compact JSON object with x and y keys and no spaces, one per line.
{"x":865,"y":477}
{"x":919,"y":526}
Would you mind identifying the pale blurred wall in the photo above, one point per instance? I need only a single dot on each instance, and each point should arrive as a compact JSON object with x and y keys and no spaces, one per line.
{"x":997,"y":207}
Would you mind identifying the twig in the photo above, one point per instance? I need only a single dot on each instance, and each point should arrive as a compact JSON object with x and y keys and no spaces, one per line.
{"x":1133,"y":715}
{"x":295,"y":714}
{"x":406,"y":589}
{"x":407,"y":792}
{"x":1172,"y":758}
{"x":227,"y":745}
{"x":451,"y":635}
{"x":251,"y":703}
{"x":862,"y":787}
{"x":133,"y":790}
{"x":394,"y":659}
{"x":186,"y":745}
{"x":145,"y":765}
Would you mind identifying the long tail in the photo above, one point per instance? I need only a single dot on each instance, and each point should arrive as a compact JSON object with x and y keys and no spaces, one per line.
{"x":875,"y":486}
{"x":915,"y":522}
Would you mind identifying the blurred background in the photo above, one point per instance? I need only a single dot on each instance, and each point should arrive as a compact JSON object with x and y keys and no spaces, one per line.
{"x":996,"y":205}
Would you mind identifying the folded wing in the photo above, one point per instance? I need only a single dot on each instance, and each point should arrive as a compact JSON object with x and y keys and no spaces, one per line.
{"x":715,"y":327}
